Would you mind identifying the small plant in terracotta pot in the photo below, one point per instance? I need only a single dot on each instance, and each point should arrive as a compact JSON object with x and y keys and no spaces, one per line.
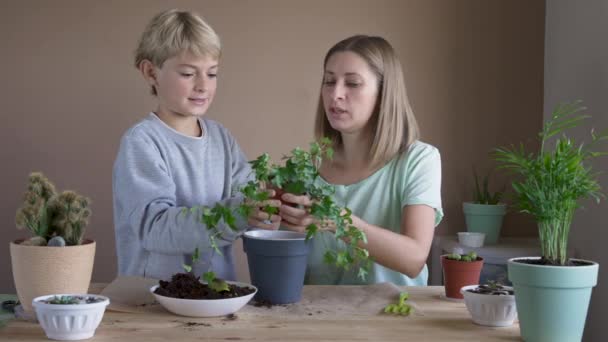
{"x":460,"y":270}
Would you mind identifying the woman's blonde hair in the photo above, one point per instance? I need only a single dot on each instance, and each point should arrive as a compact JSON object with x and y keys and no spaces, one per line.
{"x":172,"y":32}
{"x":394,"y":124}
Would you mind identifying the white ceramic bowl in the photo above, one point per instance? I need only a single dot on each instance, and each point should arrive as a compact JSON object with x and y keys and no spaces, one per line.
{"x":471,"y":239}
{"x":490,"y":310}
{"x":69,"y":321}
{"x":205,"y":307}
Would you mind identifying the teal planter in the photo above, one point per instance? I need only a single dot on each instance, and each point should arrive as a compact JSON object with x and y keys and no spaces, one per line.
{"x":552,"y":301}
{"x":484,"y":218}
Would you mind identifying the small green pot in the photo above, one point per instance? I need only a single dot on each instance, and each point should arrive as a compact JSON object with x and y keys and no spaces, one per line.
{"x":552,"y":301}
{"x":485,"y":218}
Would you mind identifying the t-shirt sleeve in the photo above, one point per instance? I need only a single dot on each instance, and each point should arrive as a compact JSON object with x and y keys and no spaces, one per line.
{"x":422,"y":180}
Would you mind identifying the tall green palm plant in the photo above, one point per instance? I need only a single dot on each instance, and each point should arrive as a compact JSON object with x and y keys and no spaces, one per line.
{"x":554,"y":180}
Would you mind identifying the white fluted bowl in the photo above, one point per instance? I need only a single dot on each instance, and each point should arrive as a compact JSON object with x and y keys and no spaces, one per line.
{"x":69,"y":321}
{"x":490,"y":310}
{"x":205,"y":307}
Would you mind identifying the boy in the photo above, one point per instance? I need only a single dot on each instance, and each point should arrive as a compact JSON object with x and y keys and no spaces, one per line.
{"x":174,"y":159}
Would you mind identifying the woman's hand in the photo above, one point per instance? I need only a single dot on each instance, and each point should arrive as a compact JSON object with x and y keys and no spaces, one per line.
{"x":295,"y":212}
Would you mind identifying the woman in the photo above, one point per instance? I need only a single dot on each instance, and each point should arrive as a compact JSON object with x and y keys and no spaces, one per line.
{"x":381,"y":171}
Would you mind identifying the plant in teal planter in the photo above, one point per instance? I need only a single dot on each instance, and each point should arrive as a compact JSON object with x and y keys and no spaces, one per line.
{"x":553,"y":291}
{"x":486,"y":213}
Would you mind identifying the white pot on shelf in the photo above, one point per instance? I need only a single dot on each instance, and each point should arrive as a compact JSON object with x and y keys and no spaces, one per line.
{"x":470,"y":239}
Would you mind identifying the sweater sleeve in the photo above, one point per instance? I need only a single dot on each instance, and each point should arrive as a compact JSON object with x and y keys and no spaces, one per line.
{"x":145,"y":202}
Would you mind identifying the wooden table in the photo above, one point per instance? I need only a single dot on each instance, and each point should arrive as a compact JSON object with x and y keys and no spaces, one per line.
{"x":441,"y":321}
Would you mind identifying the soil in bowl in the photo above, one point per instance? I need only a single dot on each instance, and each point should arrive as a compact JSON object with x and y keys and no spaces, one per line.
{"x":187,"y":286}
{"x":493,"y":289}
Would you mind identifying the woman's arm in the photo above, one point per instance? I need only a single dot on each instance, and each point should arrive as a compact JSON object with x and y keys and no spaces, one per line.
{"x":405,"y":252}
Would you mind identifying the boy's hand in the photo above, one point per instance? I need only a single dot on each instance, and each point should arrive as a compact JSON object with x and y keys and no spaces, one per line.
{"x":264,"y":220}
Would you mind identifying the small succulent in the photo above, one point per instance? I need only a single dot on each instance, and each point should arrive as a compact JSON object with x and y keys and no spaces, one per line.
{"x":63,"y":300}
{"x":471,"y":256}
{"x":70,"y":300}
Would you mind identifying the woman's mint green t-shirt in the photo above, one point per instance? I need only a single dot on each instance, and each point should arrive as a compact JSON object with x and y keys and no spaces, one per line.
{"x":413,"y":177}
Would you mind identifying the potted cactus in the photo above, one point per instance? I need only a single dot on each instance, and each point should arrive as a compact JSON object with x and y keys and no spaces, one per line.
{"x":485,"y":214}
{"x":55,"y":259}
{"x":553,"y":291}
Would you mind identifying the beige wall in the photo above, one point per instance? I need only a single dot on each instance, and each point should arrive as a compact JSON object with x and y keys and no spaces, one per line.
{"x":474,"y":71}
{"x":576,"y":68}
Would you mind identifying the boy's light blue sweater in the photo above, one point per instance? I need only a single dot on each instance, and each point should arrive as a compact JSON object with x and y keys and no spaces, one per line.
{"x":157,"y":173}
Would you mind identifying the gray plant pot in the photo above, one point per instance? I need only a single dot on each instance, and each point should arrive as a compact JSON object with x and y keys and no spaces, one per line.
{"x":277,"y":264}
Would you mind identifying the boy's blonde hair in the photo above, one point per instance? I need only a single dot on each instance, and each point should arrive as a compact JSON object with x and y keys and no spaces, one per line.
{"x":394,"y":124}
{"x":172,"y":32}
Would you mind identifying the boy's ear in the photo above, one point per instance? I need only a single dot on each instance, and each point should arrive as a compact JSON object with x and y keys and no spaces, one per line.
{"x":148,"y":70}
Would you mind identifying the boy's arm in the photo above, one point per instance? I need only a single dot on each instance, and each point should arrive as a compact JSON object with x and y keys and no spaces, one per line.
{"x":144,"y":196}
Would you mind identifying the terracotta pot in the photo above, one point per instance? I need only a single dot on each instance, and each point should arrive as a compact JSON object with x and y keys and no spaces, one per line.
{"x":43,"y":270}
{"x":457,"y":274}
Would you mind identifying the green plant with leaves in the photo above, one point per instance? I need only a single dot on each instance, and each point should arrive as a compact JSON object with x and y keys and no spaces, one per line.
{"x":211,"y":218}
{"x":51,"y":215}
{"x":214,"y":283}
{"x":483,"y":194}
{"x":553,"y":181}
{"x":299,"y":175}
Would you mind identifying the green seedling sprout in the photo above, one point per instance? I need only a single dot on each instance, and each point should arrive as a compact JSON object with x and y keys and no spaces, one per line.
{"x":401,"y":307}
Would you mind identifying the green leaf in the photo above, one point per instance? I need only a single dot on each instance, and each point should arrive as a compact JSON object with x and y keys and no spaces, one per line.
{"x":362,"y":273}
{"x":214,"y":283}
{"x":311,"y":230}
{"x":329,"y":257}
{"x":209,"y":277}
